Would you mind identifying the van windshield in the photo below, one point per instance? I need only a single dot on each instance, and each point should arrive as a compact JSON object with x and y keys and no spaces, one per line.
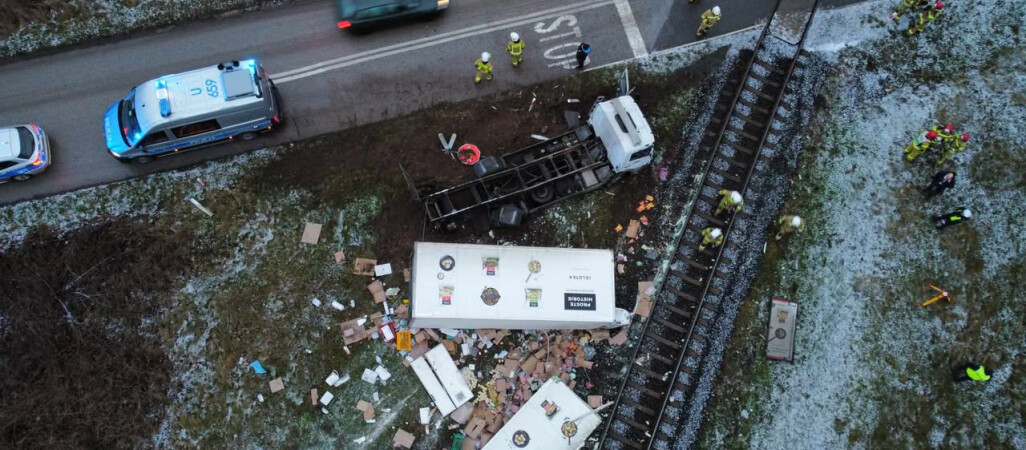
{"x":128,"y":120}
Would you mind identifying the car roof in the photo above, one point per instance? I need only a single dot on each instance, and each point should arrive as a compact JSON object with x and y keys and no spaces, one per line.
{"x":196,"y":92}
{"x":10,"y":143}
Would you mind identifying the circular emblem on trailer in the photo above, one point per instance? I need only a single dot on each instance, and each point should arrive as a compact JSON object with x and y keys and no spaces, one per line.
{"x":447,"y":263}
{"x":441,"y":276}
{"x":569,"y":429}
{"x":780,"y":333}
{"x":521,"y":439}
{"x":490,"y":296}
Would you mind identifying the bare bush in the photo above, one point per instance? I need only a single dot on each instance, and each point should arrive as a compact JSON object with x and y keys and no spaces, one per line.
{"x":77,"y":371}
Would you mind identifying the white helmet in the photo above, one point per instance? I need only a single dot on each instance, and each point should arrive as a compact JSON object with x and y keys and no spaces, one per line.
{"x":796,"y":221}
{"x":715,"y":233}
{"x":735,"y":196}
{"x":485,"y":56}
{"x":514,"y":37}
{"x":967,"y":213}
{"x":716,"y":10}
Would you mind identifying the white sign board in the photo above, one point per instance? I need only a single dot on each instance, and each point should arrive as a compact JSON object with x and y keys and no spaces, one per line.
{"x":544,"y":422}
{"x":491,"y":286}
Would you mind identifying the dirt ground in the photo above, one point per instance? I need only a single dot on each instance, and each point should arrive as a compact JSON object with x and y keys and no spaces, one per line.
{"x":82,"y":365}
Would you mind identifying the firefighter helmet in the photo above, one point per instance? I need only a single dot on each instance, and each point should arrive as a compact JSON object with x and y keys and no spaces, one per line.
{"x":965,"y":137}
{"x":931,"y":134}
{"x":485,"y":56}
{"x":716,"y":10}
{"x":514,"y":37}
{"x":735,"y":196}
{"x":967,"y":213}
{"x":715,"y":233}
{"x":796,"y":221}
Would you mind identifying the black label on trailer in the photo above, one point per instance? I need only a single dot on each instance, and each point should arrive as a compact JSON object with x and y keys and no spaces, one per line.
{"x":578,"y":301}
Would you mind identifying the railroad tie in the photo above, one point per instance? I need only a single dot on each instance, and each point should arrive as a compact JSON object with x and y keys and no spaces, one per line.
{"x":624,"y":440}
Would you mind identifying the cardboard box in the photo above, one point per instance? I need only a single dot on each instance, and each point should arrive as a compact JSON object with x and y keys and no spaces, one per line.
{"x":311,"y":233}
{"x":365,"y":267}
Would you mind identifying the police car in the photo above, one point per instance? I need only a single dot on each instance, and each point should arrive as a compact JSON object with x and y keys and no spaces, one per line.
{"x":24,"y":152}
{"x":192,"y":109}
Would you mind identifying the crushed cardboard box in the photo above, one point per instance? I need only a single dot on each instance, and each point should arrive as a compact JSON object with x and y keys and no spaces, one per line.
{"x":276,"y":385}
{"x":402,"y":439}
{"x":365,"y":267}
{"x":377,"y":291}
{"x":311,"y":233}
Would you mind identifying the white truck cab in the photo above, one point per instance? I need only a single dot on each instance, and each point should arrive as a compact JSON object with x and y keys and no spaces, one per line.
{"x":625,"y":133}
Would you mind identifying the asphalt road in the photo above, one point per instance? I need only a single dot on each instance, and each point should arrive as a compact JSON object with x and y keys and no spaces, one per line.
{"x":330,"y":80}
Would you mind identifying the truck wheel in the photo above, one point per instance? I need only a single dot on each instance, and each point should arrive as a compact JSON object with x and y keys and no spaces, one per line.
{"x":543,"y":194}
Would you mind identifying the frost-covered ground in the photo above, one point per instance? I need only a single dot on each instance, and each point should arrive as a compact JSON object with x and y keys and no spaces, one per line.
{"x":873,"y":367}
{"x":91,"y":19}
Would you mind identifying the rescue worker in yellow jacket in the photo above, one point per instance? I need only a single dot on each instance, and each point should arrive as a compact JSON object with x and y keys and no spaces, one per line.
{"x":927,"y":15}
{"x":709,"y":18}
{"x":920,"y":144}
{"x":790,"y":224}
{"x":515,"y":48}
{"x":972,"y":371}
{"x":905,"y":6}
{"x":956,"y":146}
{"x":711,"y":237}
{"x":484,"y":67}
{"x":729,"y":201}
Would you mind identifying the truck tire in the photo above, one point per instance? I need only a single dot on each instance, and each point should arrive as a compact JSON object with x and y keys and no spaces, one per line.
{"x":543,"y":194}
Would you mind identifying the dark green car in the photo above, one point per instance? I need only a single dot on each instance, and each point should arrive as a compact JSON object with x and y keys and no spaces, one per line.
{"x":355,"y":14}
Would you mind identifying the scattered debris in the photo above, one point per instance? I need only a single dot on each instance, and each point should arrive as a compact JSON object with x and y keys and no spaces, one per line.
{"x":402,"y":439}
{"x":539,"y":137}
{"x":316,"y":302}
{"x":200,"y":207}
{"x":326,"y":398}
{"x":369,"y":376}
{"x":378,"y":291}
{"x":313,"y":397}
{"x":382,"y":270}
{"x":276,"y":385}
{"x":340,"y":257}
{"x":260,"y":398}
{"x":257,"y":367}
{"x":367,"y":409}
{"x":619,"y":339}
{"x":364,"y":267}
{"x":312,"y":233}
{"x":335,"y":304}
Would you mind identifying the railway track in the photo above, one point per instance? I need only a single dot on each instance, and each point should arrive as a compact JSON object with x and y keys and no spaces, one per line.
{"x":648,"y":411}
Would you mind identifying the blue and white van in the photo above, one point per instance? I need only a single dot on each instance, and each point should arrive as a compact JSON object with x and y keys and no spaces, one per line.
{"x":192,"y":109}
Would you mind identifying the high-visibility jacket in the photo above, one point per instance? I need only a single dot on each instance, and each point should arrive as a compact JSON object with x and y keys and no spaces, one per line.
{"x":515,"y":48}
{"x":785,"y":224}
{"x":977,"y":374}
{"x":707,"y":238}
{"x":727,"y":202}
{"x":943,"y":135}
{"x":709,"y":18}
{"x":484,"y":67}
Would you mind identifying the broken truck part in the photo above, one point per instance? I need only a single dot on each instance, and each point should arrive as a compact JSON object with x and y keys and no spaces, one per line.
{"x":466,"y":286}
{"x":554,"y":417}
{"x":442,"y":380}
{"x":616,"y":140}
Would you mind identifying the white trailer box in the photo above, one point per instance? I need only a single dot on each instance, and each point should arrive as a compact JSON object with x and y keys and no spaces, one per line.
{"x":443,"y":381}
{"x":466,"y":286}
{"x":553,"y":418}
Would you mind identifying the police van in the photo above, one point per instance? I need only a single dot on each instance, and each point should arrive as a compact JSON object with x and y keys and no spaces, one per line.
{"x":188,"y":110}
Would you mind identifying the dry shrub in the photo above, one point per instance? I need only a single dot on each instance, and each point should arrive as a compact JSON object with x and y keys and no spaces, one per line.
{"x":77,"y":373}
{"x":15,"y":14}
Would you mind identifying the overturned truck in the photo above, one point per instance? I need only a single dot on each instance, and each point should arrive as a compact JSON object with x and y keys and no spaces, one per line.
{"x":616,"y":140}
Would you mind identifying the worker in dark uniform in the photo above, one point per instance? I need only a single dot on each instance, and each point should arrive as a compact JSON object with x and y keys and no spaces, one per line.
{"x":957,"y":216}
{"x":942,"y":181}
{"x":972,"y":371}
{"x":583,"y":51}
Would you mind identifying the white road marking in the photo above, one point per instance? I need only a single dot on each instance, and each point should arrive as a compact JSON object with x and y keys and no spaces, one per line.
{"x":576,"y":32}
{"x":631,"y":27}
{"x":345,"y":61}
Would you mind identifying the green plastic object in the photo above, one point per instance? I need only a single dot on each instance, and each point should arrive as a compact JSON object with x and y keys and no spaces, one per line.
{"x":457,"y":441}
